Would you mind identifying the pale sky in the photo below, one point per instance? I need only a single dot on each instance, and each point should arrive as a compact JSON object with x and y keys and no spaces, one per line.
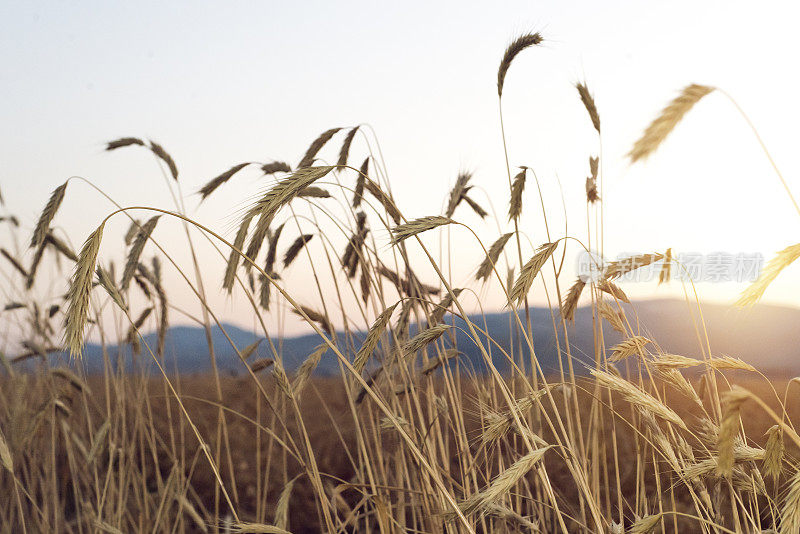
{"x":219,"y":83}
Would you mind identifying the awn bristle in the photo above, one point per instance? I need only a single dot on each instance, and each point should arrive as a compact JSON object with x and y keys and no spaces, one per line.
{"x":670,"y":116}
{"x":213,"y":184}
{"x":755,"y":291}
{"x":162,"y":154}
{"x":529,"y":271}
{"x":295,"y":248}
{"x":588,"y":103}
{"x":517,"y":187}
{"x":79,"y":293}
{"x":518,"y":45}
{"x":488,"y":263}
{"x":402,"y":232}
{"x":49,"y":212}
{"x":315,"y":147}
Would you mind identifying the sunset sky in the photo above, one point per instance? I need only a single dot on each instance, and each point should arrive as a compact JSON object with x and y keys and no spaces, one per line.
{"x":222,"y":83}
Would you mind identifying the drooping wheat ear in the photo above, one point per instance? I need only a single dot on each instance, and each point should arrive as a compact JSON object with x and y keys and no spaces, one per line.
{"x":485,"y":268}
{"x":123,"y":142}
{"x":315,"y":147}
{"x":679,"y":382}
{"x":614,"y":317}
{"x":427,"y":336}
{"x":666,"y":268}
{"x":570,"y":303}
{"x":14,"y":262}
{"x":477,"y":208}
{"x":387,"y":203}
{"x":675,"y":361}
{"x":295,"y":248}
{"x":517,"y":45}
{"x":588,"y":103}
{"x":284,"y":191}
{"x":5,"y":455}
{"x":272,"y":249}
{"x":670,"y":116}
{"x":49,"y":212}
{"x":790,"y":513}
{"x":613,"y":289}
{"x":729,"y":428}
{"x":135,"y":251}
{"x":282,"y":508}
{"x":233,"y":258}
{"x":257,"y":239}
{"x":307,"y":367}
{"x":517,"y":187}
{"x":373,"y":337}
{"x":163,"y":305}
{"x":313,"y":191}
{"x":774,"y":450}
{"x":619,"y":268}
{"x":133,"y":337}
{"x":261,"y":364}
{"x":503,"y":483}
{"x":318,"y":318}
{"x":498,"y":425}
{"x":106,"y":281}
{"x":80,"y":288}
{"x":250,"y":349}
{"x":162,"y":154}
{"x":358,"y":191}
{"x":35,"y":261}
{"x":438,"y":313}
{"x":646,"y":525}
{"x":243,"y":527}
{"x":60,"y":246}
{"x":402,"y":232}
{"x":755,"y":291}
{"x":637,"y":397}
{"x":529,"y":271}
{"x":213,"y":184}
{"x":727,"y":362}
{"x":457,"y":193}
{"x":629,"y":347}
{"x":344,"y":152}
{"x":439,"y":360}
{"x":276,"y":166}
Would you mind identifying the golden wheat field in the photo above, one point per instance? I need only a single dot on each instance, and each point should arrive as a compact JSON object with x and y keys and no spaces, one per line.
{"x":403,"y":433}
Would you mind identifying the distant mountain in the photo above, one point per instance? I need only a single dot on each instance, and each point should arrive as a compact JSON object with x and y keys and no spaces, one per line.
{"x":766,"y":336}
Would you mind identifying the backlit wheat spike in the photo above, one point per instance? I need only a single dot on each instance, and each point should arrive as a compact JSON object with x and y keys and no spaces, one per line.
{"x":344,"y":152}
{"x":774,"y":451}
{"x":373,"y":337}
{"x":517,"y":45}
{"x":614,"y":290}
{"x":486,"y":266}
{"x":315,"y":147}
{"x":666,"y":268}
{"x":570,"y":303}
{"x":424,"y":338}
{"x":629,"y":347}
{"x":106,"y":281}
{"x":670,"y":116}
{"x":503,"y":483}
{"x":529,"y":271}
{"x":307,"y":367}
{"x":284,"y":191}
{"x":318,"y":318}
{"x":123,"y":142}
{"x":213,"y":184}
{"x":614,"y":317}
{"x":727,"y":362}
{"x":675,"y":361}
{"x":162,"y":154}
{"x":135,"y":251}
{"x":49,"y":212}
{"x":457,"y":193}
{"x":358,"y":191}
{"x":282,"y":508}
{"x":295,"y":248}
{"x":438,"y":313}
{"x":790,"y":513}
{"x":729,"y":428}
{"x":755,"y":291}
{"x":236,"y":251}
{"x":14,"y":262}
{"x":637,"y":397}
{"x":679,"y":382}
{"x":275,"y":166}
{"x":619,"y":268}
{"x":499,"y":424}
{"x":79,"y":291}
{"x":646,"y":525}
{"x":517,"y":188}
{"x":588,"y":103}
{"x":417,"y":226}
{"x":313,"y":191}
